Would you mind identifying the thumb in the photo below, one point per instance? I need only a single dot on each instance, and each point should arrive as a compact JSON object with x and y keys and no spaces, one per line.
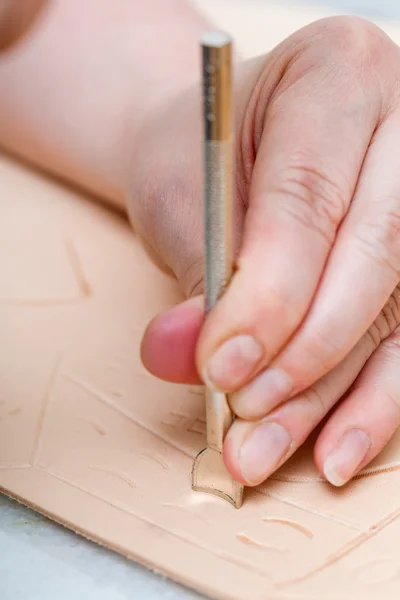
{"x":169,"y":343}
{"x":16,"y":18}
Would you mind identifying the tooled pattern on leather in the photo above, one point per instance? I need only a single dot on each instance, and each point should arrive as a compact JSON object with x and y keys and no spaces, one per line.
{"x":167,"y":431}
{"x":242,"y":537}
{"x":84,"y":287}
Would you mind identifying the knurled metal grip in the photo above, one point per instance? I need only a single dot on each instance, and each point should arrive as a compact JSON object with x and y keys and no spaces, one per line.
{"x":217,"y":112}
{"x":217,"y":219}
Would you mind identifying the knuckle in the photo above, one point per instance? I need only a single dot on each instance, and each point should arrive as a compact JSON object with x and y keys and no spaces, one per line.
{"x":391,"y":311}
{"x":372,"y":338}
{"x":267,"y":297}
{"x":378,"y":235}
{"x":314,"y":397}
{"x":356,"y":38}
{"x":386,"y":324}
{"x":370,"y":56}
{"x":322,"y":351}
{"x":311,"y":197}
{"x":356,"y":54}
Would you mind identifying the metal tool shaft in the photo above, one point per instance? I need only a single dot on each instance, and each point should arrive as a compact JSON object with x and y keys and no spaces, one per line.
{"x":217,"y":111}
{"x":217,"y":108}
{"x":209,"y":472}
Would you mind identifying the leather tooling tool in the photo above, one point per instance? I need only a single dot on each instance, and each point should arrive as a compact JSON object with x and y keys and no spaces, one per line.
{"x":209,"y":473}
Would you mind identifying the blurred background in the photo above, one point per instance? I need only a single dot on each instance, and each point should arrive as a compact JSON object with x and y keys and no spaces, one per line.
{"x":378,"y":9}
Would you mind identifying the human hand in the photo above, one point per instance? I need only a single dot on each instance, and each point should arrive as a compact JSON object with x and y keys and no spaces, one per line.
{"x":16,"y":18}
{"x":312,"y":311}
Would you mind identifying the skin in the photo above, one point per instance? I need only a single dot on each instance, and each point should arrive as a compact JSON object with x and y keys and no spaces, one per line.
{"x":317,"y":211}
{"x":17,"y":19}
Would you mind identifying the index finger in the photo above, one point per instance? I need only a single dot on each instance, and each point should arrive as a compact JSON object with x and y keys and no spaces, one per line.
{"x":317,"y":128}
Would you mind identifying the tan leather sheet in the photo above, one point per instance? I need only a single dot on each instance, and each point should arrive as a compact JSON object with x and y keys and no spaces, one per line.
{"x":90,"y":439}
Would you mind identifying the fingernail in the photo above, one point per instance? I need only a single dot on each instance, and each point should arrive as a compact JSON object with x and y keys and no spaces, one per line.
{"x":262,"y":395}
{"x":343,"y":462}
{"x":262,"y":452}
{"x":233,"y":362}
